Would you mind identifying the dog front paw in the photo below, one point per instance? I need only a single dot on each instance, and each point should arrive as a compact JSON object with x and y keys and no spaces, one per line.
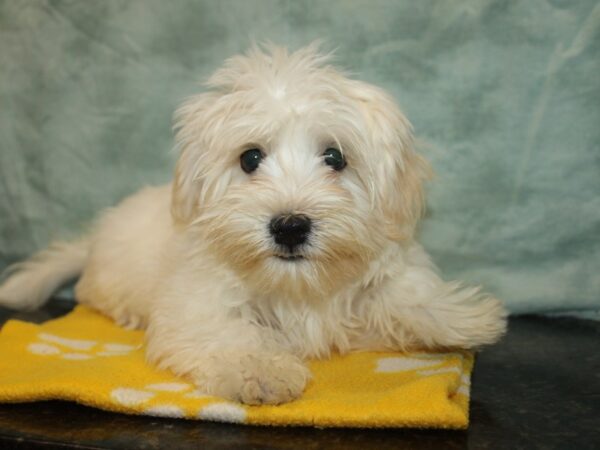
{"x":460,"y":318}
{"x":480,"y":321}
{"x":254,"y":379}
{"x":493,"y":323}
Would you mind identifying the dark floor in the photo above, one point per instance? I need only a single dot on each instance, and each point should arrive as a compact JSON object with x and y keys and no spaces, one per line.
{"x":538,"y":389}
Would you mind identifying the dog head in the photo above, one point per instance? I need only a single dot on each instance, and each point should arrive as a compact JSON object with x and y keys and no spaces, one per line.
{"x":296,"y":176}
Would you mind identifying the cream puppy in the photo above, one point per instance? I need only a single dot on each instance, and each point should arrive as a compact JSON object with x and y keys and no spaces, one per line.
{"x":287,"y":233}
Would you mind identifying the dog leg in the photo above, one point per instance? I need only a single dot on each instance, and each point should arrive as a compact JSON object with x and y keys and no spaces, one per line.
{"x":225,"y":357}
{"x":452,"y":316}
{"x":414,"y":307}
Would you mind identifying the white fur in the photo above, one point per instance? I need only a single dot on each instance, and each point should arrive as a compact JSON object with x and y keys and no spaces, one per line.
{"x":193,"y":262}
{"x":32,"y":282}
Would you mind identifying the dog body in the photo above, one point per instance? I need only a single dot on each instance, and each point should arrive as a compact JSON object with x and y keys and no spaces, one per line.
{"x":287,"y":233}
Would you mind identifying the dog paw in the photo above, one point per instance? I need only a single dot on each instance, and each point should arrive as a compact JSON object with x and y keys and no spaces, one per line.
{"x":482,"y":322}
{"x":273,"y":380}
{"x":255,"y":379}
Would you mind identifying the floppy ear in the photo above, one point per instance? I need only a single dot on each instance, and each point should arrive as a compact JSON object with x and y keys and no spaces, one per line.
{"x":190,"y":122}
{"x":406,"y":204}
{"x":399,"y":171}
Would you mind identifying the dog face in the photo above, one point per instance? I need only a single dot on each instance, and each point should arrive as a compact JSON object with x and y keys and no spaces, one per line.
{"x":296,"y":176}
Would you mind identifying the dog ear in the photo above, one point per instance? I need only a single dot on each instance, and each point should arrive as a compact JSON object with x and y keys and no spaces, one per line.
{"x":399,"y":170}
{"x":190,"y":121}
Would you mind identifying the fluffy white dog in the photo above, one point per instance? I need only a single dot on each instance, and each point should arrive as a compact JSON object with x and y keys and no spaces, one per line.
{"x":287,"y":233}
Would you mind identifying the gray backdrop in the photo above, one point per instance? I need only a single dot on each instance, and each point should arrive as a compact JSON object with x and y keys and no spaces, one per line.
{"x":504,"y":96}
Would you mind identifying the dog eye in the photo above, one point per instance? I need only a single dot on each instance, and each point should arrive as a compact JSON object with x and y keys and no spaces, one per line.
{"x":250,"y":160}
{"x":334,"y":158}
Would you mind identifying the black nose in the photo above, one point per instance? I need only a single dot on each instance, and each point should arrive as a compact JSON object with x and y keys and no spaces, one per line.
{"x":290,"y":230}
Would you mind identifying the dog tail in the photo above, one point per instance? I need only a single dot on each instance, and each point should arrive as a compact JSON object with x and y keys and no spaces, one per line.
{"x":29,"y":284}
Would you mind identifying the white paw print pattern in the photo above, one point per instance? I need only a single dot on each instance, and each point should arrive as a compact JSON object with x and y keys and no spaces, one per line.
{"x":76,"y":349}
{"x":114,"y":349}
{"x":74,"y":344}
{"x":40,"y":348}
{"x":401,"y":364}
{"x":165,"y":410}
{"x":130,"y":397}
{"x":424,"y":364}
{"x":135,"y":398}
{"x":169,"y":387}
{"x":465,"y":385}
{"x":221,"y":411}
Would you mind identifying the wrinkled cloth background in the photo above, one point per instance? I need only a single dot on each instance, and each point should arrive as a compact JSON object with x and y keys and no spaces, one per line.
{"x":504,"y":97}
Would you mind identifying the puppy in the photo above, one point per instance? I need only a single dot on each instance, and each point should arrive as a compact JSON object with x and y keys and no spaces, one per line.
{"x":286,"y":234}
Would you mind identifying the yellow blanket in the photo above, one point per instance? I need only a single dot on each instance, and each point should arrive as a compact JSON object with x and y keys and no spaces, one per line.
{"x":86,"y":358}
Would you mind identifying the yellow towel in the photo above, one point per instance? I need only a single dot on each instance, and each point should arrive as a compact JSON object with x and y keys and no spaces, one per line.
{"x":86,"y":358}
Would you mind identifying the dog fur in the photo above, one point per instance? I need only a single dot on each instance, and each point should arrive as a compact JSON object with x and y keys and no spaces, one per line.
{"x":194,"y":264}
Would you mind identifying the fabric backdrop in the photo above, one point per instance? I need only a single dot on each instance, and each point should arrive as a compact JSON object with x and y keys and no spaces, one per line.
{"x":504,"y":97}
